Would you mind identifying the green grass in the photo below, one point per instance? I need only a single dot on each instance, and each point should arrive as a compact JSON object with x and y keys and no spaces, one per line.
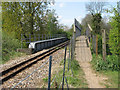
{"x":108,"y":68}
{"x":13,"y":55}
{"x":45,"y":79}
{"x":112,"y":81}
{"x":76,"y":80}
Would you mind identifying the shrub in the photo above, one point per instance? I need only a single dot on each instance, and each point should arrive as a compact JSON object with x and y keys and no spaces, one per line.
{"x":111,"y":63}
{"x":9,"y":45}
{"x":114,"y":33}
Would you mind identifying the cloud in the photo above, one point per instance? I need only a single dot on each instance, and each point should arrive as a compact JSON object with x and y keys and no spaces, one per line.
{"x":61,"y":5}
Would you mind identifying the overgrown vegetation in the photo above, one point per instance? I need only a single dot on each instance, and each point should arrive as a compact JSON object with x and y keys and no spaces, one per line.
{"x":111,"y":63}
{"x":27,"y":18}
{"x":75,"y":80}
{"x":112,"y":81}
{"x":114,"y":33}
{"x":9,"y":46}
{"x":109,"y":68}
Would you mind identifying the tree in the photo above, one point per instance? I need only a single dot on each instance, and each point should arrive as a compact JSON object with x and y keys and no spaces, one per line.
{"x":85,"y":21}
{"x":24,"y":17}
{"x":115,"y":32}
{"x":96,"y":9}
{"x":52,"y":22}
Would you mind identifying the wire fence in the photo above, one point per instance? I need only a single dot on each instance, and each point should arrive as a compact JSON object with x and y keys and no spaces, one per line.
{"x":60,"y":83}
{"x":28,"y":38}
{"x":41,"y":70}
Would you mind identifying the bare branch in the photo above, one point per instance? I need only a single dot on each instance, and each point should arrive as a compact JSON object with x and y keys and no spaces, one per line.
{"x":95,"y":7}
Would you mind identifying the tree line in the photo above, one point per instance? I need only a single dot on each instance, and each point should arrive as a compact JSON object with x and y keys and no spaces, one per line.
{"x":29,"y":18}
{"x":26,"y":18}
{"x":97,"y":23}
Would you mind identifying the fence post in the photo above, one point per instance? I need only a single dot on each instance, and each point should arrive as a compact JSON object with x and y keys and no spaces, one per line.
{"x":69,"y":56}
{"x":49,"y":75}
{"x":66,"y":83}
{"x":45,"y":36}
{"x":103,"y":44}
{"x":64,"y":69}
{"x":42,"y":36}
{"x":38,"y":37}
{"x":73,"y":44}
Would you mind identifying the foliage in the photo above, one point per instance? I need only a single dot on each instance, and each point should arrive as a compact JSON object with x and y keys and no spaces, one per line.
{"x":112,"y":81}
{"x":29,"y":18}
{"x":111,"y":63}
{"x":9,"y":45}
{"x":96,"y":23}
{"x":77,"y":80}
{"x":114,"y":33}
{"x":85,"y":21}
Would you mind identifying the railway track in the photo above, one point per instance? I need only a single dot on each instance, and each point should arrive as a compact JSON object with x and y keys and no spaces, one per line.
{"x":14,"y":70}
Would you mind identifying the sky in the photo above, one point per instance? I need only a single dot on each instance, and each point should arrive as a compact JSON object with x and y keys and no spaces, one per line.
{"x":67,"y":11}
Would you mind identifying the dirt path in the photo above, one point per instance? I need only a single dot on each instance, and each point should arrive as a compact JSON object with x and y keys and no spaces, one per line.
{"x":83,"y":55}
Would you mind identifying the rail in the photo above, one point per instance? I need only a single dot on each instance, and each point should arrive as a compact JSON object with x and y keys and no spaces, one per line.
{"x":12,"y":71}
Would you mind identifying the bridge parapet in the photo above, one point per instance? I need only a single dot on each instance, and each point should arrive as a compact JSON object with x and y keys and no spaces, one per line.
{"x":45,"y":44}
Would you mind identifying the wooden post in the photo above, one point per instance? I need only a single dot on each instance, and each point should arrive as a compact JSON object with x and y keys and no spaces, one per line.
{"x":73,"y":44}
{"x":96,"y":45}
{"x":104,"y":44}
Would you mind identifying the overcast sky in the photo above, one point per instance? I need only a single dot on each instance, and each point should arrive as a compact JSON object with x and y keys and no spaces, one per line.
{"x":67,"y":11}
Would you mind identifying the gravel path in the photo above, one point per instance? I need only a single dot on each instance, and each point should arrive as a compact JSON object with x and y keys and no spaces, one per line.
{"x":83,"y":55}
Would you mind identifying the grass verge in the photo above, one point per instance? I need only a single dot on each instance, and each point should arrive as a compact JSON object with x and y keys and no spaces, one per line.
{"x":75,"y":80}
{"x":13,"y":55}
{"x":108,"y":68}
{"x":112,"y":81}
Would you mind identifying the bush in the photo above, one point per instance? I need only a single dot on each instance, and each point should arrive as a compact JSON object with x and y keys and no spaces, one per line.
{"x":9,"y":45}
{"x":111,"y":63}
{"x":114,"y":33}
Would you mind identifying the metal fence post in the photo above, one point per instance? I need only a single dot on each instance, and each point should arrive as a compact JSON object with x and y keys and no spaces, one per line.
{"x":42,"y":36}
{"x":38,"y":37}
{"x":64,"y":69}
{"x":49,"y":75}
{"x":66,"y":83}
{"x":69,"y":56}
